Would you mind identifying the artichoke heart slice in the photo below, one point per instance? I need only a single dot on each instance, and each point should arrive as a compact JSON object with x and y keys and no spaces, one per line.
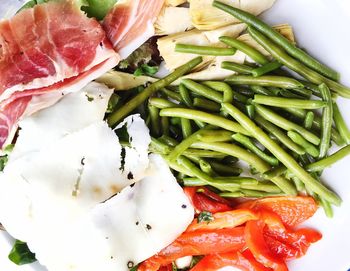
{"x":173,"y":20}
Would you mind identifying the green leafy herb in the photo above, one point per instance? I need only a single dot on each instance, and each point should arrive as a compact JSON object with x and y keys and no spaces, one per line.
{"x":145,"y":69}
{"x":3,"y":161}
{"x":112,"y":103}
{"x":205,"y":217}
{"x":20,"y":254}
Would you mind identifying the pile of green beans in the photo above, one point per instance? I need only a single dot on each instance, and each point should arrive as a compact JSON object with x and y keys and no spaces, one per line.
{"x":279,"y":126}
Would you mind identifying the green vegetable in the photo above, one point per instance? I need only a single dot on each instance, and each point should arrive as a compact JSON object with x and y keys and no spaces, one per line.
{"x":239,"y":68}
{"x":204,"y":50}
{"x":127,"y":108}
{"x":327,"y":121}
{"x":309,"y":120}
{"x":266,"y":68}
{"x":112,"y":103}
{"x":265,"y":81}
{"x":301,"y":141}
{"x":296,"y":66}
{"x":3,"y":161}
{"x":185,"y":96}
{"x":286,"y":102}
{"x":245,"y":48}
{"x":98,"y":8}
{"x":20,"y":254}
{"x":206,"y":104}
{"x":290,"y":47}
{"x":261,"y":90}
{"x":281,"y":155}
{"x":145,"y":69}
{"x":202,"y":90}
{"x":340,"y":124}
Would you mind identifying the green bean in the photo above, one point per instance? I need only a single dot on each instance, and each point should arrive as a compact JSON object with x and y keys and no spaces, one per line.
{"x":327,"y":121}
{"x":303,"y":92}
{"x":287,"y":93}
{"x":238,"y":68}
{"x":165,"y":125}
{"x":326,"y":207}
{"x":330,"y":160}
{"x":275,"y":91}
{"x":274,"y":172}
{"x":245,"y":48}
{"x":248,"y":157}
{"x":236,"y":194}
{"x":279,"y":134}
{"x":270,"y":188}
{"x":206,"y":104}
{"x":226,"y":186}
{"x":290,"y":47}
{"x":300,"y":140}
{"x":312,"y":87}
{"x":301,"y":114}
{"x":266,"y":80}
{"x":159,"y":147}
{"x":168,"y":140}
{"x":266,"y":68}
{"x":340,"y":124}
{"x":296,"y":66}
{"x":127,"y":108}
{"x":250,"y":110}
{"x":171,"y":94}
{"x":262,"y":90}
{"x":298,"y":184}
{"x":180,"y":168}
{"x":202,"y":90}
{"x":248,"y":193}
{"x":185,"y":96}
{"x":225,"y":170}
{"x":284,"y":123}
{"x":309,"y":119}
{"x":206,"y":167}
{"x":285,"y":102}
{"x":215,"y":136}
{"x":222,"y":87}
{"x":281,"y":155}
{"x":239,"y":180}
{"x":190,"y":167}
{"x":205,"y":117}
{"x":154,"y":113}
{"x":186,"y":127}
{"x":247,"y":143}
{"x":204,"y":50}
{"x":230,"y":160}
{"x":175,"y":121}
{"x":161,"y":103}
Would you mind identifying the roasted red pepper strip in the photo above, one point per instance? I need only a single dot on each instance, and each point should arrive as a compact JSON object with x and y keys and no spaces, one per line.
{"x":235,"y":259}
{"x":292,"y":210}
{"x":254,"y":236}
{"x":197,"y":243}
{"x":205,"y":200}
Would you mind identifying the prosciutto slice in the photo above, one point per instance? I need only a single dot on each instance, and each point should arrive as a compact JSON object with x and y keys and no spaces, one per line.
{"x":46,"y":52}
{"x":130,"y":23}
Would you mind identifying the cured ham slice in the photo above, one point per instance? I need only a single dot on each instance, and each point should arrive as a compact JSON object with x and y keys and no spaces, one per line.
{"x":52,"y":48}
{"x":130,"y":23}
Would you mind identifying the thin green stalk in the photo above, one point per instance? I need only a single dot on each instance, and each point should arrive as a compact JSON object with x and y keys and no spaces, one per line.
{"x":281,"y":155}
{"x":309,"y":120}
{"x":264,"y":81}
{"x":186,"y":128}
{"x":204,"y":50}
{"x":155,"y":120}
{"x":172,"y":94}
{"x":185,"y":96}
{"x":221,"y":87}
{"x":140,"y":98}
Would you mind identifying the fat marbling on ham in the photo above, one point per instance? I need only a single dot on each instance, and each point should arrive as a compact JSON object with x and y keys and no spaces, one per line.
{"x":130,"y":23}
{"x":52,"y":47}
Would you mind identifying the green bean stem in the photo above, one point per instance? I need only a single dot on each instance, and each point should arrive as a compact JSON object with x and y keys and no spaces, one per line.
{"x":131,"y":105}
{"x":248,"y":157}
{"x":290,"y":47}
{"x":327,"y":121}
{"x":204,"y":117}
{"x":340,"y":124}
{"x":296,"y":66}
{"x":281,"y":155}
{"x":204,"y":50}
{"x":330,"y":160}
{"x":238,"y":68}
{"x":285,"y":124}
{"x":265,"y":81}
{"x":264,"y":69}
{"x":286,"y":102}
{"x":300,"y":140}
{"x":247,"y":143}
{"x":245,"y":48}
{"x":250,"y":110}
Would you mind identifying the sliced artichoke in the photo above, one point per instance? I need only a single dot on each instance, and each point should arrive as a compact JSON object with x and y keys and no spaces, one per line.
{"x":232,"y":30}
{"x":285,"y":29}
{"x":206,"y":17}
{"x":174,"y":3}
{"x":123,"y":81}
{"x":166,"y":47}
{"x":173,"y":20}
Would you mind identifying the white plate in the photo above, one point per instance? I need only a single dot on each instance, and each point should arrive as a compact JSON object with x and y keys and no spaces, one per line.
{"x":321,"y":27}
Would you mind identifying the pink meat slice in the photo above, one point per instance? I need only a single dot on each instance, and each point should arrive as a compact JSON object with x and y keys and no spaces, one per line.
{"x":46,"y":52}
{"x":130,"y":23}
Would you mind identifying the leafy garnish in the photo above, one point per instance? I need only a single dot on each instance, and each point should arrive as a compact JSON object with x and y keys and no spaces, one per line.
{"x":145,"y":69}
{"x":20,"y":254}
{"x":205,"y":217}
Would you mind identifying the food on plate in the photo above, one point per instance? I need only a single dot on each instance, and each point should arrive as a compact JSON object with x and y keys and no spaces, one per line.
{"x":163,"y":135}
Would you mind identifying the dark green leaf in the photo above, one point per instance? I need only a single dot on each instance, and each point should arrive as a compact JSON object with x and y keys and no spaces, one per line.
{"x":145,"y":69}
{"x":205,"y":216}
{"x":98,"y":8}
{"x":20,"y":254}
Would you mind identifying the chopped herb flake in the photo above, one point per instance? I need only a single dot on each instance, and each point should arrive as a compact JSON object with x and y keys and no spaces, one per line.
{"x":205,"y":217}
{"x":20,"y":254}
